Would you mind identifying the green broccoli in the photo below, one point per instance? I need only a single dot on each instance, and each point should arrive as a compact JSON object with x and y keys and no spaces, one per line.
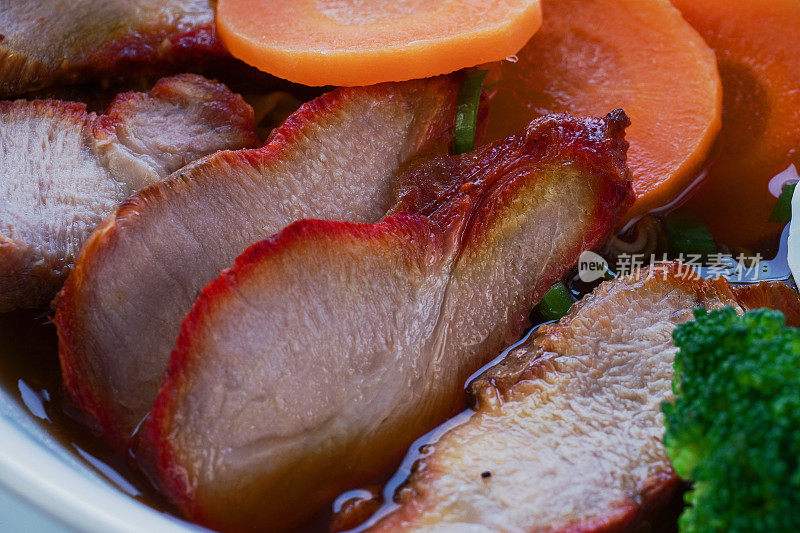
{"x":734,"y":429}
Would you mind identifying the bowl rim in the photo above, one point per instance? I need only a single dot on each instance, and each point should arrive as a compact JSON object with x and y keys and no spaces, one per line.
{"x":83,"y":501}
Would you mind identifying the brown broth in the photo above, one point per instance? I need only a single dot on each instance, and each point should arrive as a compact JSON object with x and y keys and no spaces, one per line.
{"x":30,"y":373}
{"x":29,"y":367}
{"x":663,"y":520}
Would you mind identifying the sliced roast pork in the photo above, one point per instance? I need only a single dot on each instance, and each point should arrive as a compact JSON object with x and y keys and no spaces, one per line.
{"x":337,"y":157}
{"x":566,"y":435}
{"x":309,"y":367}
{"x":62,"y":170}
{"x":47,"y":41}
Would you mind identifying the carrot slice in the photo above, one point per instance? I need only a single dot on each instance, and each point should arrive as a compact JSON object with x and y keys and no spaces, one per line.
{"x":592,"y":56}
{"x":757,"y":43}
{"x":353,"y":42}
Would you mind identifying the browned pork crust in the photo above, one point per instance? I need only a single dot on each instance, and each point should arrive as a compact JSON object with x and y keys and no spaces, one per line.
{"x":49,"y":41}
{"x":566,"y":434}
{"x":309,"y":366}
{"x":62,"y":170}
{"x":337,"y":157}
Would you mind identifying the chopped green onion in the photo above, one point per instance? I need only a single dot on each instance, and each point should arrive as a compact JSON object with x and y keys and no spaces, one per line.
{"x":469,"y":97}
{"x":556,"y":302}
{"x":609,"y":274}
{"x":783,"y":208}
{"x":688,"y":236}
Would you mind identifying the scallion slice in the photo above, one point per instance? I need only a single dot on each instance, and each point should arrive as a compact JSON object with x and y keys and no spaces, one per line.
{"x":469,"y":97}
{"x":782,"y":212}
{"x":688,"y":236}
{"x":556,"y":302}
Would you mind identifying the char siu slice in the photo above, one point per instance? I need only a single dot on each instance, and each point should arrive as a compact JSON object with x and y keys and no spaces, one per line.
{"x":567,"y":431}
{"x":48,"y":41}
{"x":337,"y":157}
{"x":310,"y":366}
{"x":62,"y":170}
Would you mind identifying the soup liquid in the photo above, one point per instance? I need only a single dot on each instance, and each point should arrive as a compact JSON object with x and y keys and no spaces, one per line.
{"x":30,"y":373}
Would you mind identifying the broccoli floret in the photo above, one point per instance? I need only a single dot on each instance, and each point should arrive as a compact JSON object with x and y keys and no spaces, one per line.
{"x":734,"y":429}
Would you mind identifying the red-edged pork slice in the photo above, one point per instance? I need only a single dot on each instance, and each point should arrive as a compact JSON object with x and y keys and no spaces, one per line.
{"x":566,"y":435}
{"x":773,"y":296}
{"x":310,"y":366}
{"x":337,"y":157}
{"x":62,"y":170}
{"x":47,"y":41}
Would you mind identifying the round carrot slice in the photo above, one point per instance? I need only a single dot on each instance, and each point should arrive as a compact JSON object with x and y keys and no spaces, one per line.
{"x":592,"y":56}
{"x":757,"y":43}
{"x":357,"y":42}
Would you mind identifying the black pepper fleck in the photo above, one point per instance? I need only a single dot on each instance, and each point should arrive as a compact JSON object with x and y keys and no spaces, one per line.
{"x":486,"y":474}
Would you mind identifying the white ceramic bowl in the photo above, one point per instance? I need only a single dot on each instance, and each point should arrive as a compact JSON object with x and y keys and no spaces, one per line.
{"x":49,"y":488}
